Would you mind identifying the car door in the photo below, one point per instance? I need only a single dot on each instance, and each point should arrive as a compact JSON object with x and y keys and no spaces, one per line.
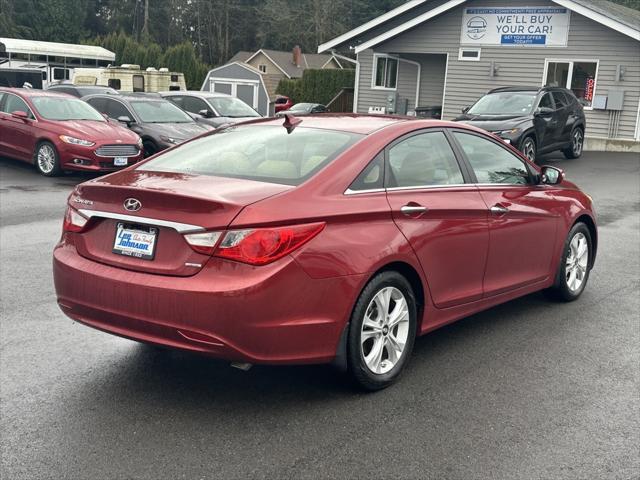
{"x":443,"y":217}
{"x":563,"y":113}
{"x":19,"y":134}
{"x":196,"y":105}
{"x":546,"y":122}
{"x":522,"y":219}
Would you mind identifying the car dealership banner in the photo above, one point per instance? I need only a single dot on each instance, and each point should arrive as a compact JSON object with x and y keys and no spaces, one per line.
{"x":509,"y":26}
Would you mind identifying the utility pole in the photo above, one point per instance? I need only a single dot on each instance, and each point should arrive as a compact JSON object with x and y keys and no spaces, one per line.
{"x":145,"y":25}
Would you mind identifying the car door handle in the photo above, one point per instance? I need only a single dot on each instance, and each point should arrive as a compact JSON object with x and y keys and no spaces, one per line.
{"x":498,"y":209}
{"x":409,"y":210}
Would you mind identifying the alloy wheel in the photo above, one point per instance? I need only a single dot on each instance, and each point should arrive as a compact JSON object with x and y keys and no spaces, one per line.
{"x":46,"y":158}
{"x":577,"y":142}
{"x":529,"y":149}
{"x":577,"y":262}
{"x":385,"y":330}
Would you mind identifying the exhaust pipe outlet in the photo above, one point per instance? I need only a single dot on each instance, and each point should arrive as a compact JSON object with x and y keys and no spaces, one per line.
{"x":245,"y":367}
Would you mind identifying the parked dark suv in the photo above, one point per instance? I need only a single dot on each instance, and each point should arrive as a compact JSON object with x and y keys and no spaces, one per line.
{"x":534,"y":120}
{"x":159,"y":122}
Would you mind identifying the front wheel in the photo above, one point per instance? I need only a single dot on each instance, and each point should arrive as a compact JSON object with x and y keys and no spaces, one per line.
{"x":529,"y":148}
{"x":577,"y":144}
{"x":47,"y":160}
{"x":382,"y":331}
{"x":573,"y":271}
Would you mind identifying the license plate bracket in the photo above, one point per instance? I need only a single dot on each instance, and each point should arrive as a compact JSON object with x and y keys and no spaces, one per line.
{"x":136,"y":241}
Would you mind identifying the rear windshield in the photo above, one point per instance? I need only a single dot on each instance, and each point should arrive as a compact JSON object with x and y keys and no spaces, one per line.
{"x":232,"y":107}
{"x":160,"y":111}
{"x":65,"y":108}
{"x":259,"y":152}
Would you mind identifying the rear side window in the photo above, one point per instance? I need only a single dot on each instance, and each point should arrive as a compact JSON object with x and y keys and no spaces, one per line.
{"x":372,"y":177}
{"x":490,"y":162}
{"x":264,"y":153}
{"x":114,"y":83}
{"x":425,"y":159}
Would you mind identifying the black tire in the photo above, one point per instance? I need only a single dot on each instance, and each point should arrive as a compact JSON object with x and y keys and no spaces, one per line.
{"x":47,"y":160}
{"x":577,"y":144}
{"x":529,"y":148}
{"x":150,"y":148}
{"x":561,"y":289}
{"x":360,"y":373}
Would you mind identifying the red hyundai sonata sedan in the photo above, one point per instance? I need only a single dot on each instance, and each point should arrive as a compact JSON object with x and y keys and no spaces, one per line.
{"x":328,"y":239}
{"x":58,"y":132}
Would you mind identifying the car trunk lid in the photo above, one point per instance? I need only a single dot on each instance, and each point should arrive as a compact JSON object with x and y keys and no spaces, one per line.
{"x":168,"y":206}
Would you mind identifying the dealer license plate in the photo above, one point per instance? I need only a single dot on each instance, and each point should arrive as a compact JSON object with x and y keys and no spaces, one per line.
{"x":120,"y":161}
{"x":135,"y":241}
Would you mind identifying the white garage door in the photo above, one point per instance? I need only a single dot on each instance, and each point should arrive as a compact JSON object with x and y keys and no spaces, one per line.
{"x":245,"y":90}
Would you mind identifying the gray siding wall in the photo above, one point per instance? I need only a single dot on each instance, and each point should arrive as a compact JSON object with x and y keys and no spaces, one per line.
{"x":466,"y":81}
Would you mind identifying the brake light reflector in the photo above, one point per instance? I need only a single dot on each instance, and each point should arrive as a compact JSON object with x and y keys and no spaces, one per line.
{"x":261,"y":246}
{"x":73,"y":221}
{"x":203,"y":242}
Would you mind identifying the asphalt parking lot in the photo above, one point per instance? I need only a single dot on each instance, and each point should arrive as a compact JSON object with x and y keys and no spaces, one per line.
{"x":527,"y":390}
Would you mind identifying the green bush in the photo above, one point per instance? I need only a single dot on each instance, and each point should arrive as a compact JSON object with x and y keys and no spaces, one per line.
{"x":316,"y":86}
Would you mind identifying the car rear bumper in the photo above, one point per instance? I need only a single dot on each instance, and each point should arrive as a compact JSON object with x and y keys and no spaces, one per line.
{"x":76,"y":157}
{"x":273,"y":314}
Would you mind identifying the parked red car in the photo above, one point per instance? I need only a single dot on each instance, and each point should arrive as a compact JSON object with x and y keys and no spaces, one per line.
{"x":282,"y":103}
{"x":58,"y":132}
{"x":328,"y":238}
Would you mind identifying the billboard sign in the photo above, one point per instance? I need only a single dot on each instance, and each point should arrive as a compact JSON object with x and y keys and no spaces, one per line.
{"x":515,"y":26}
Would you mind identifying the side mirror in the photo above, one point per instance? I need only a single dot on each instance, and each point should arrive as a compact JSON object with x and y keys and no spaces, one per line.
{"x":466,"y":109}
{"x":125,"y":119}
{"x":543,"y":112}
{"x":206,"y":113}
{"x":20,"y":114}
{"x":551,"y":175}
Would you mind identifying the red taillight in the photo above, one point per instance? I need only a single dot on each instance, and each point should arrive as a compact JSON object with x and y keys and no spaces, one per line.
{"x":261,"y":246}
{"x":73,"y":221}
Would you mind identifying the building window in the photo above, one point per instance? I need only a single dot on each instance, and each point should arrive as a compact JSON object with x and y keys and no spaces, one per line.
{"x":262,"y":68}
{"x":385,"y":72}
{"x":469,"y":54}
{"x":579,"y":77}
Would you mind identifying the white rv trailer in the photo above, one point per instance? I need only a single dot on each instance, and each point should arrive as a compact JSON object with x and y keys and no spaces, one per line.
{"x":56,"y":61}
{"x":131,"y":78}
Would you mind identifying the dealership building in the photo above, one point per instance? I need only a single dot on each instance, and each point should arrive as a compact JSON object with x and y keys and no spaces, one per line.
{"x":432,"y":55}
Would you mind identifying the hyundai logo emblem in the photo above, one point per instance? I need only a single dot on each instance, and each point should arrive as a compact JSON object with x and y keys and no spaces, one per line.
{"x":132,"y":204}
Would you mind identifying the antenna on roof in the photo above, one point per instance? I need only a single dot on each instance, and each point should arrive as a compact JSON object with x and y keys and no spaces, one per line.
{"x":291,"y":122}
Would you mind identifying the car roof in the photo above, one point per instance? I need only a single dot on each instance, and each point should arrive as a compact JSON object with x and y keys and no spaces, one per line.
{"x":196,"y":93}
{"x":516,"y":89}
{"x":34,"y":92}
{"x":79,"y":87}
{"x":528,"y":89}
{"x":127,"y":97}
{"x":347,"y":122}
